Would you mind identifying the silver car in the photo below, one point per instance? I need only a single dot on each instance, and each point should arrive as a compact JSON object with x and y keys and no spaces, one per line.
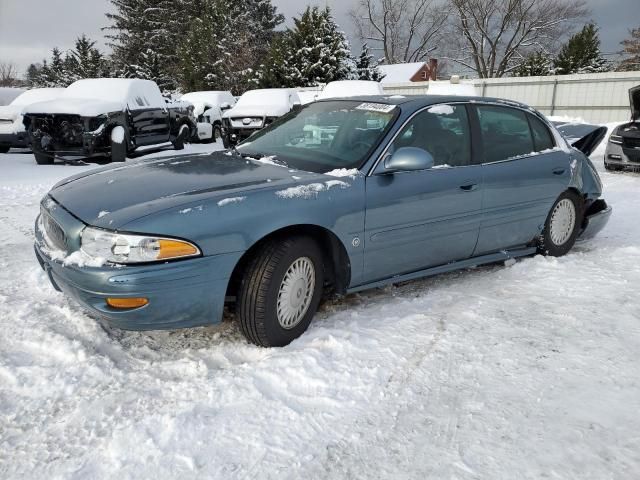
{"x":623,"y":148}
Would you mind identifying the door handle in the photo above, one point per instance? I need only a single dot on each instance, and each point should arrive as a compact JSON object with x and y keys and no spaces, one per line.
{"x":559,"y":171}
{"x":469,"y":188}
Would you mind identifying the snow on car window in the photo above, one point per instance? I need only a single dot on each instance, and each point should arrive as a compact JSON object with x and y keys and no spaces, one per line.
{"x":441,"y":109}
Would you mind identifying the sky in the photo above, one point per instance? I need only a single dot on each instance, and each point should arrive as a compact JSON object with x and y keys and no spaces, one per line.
{"x":30,"y":28}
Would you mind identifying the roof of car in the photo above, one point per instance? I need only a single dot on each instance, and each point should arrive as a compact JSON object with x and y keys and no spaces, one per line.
{"x":424,"y":100}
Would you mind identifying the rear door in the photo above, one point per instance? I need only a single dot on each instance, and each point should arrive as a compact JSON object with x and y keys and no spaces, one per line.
{"x":421,"y":219}
{"x":151,"y":124}
{"x":522,"y":173}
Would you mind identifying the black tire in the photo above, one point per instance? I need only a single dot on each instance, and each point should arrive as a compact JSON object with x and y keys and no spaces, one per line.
{"x":4,"y":148}
{"x":217,"y":133}
{"x":548,"y":246}
{"x":183,"y":135}
{"x":43,"y":158}
{"x":226,"y":141}
{"x":119,"y":151}
{"x":257,"y":305}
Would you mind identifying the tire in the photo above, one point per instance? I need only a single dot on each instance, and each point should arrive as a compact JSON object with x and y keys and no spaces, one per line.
{"x":183,"y":136}
{"x":226,"y":141}
{"x":217,"y":133}
{"x":43,"y":158}
{"x":4,"y":148}
{"x":118,"y":148}
{"x":264,"y":317}
{"x":563,"y":225}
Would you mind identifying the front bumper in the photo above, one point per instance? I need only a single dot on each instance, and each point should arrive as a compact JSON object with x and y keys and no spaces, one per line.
{"x":14,"y":140}
{"x":620,"y":156}
{"x":180,"y":294}
{"x":595,"y":219}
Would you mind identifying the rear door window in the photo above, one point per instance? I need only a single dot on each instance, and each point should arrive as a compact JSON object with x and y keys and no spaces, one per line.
{"x":542,"y":138}
{"x":505,"y":133}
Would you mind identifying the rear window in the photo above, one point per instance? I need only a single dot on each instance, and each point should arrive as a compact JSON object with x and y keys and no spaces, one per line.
{"x":505,"y":133}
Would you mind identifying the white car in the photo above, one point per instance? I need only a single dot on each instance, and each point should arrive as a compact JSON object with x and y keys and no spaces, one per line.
{"x":255,"y":110}
{"x":208,"y":107}
{"x":12,"y":131}
{"x":350,"y":88}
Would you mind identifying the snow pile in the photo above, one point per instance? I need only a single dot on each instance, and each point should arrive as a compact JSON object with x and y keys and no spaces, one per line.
{"x":350,"y":88}
{"x":343,"y":172}
{"x":229,"y":201}
{"x":310,"y":190}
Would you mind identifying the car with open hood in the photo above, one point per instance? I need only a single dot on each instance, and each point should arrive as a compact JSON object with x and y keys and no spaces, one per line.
{"x":105,"y":118}
{"x":255,"y":110}
{"x":623,"y":148}
{"x":12,"y":131}
{"x":402,"y":188}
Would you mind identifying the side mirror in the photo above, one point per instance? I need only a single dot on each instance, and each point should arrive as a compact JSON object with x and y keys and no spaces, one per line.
{"x":407,"y":159}
{"x":225,"y":106}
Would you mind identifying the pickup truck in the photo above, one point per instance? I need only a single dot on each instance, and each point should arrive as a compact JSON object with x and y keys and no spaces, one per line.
{"x":106,"y":118}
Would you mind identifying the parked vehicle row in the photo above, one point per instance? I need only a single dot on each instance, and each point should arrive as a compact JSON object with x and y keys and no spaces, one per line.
{"x":337,"y":196}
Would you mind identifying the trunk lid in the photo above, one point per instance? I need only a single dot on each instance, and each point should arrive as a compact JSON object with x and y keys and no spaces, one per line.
{"x":583,"y":136}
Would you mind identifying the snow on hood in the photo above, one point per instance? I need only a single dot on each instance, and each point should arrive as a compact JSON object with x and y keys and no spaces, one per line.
{"x":10,"y":112}
{"x":13,"y":111}
{"x":85,"y":107}
{"x":269,"y":102}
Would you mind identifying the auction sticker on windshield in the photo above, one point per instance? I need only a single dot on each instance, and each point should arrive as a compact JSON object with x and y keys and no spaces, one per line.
{"x":376,"y":107}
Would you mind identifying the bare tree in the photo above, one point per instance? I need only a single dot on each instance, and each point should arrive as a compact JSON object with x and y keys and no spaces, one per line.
{"x":8,"y":74}
{"x":495,"y":35}
{"x":405,"y":30}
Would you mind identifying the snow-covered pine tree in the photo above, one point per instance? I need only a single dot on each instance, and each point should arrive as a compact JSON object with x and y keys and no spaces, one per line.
{"x":313,"y":52}
{"x":536,"y":64}
{"x":85,"y":60}
{"x":367,"y":67}
{"x":581,"y":54}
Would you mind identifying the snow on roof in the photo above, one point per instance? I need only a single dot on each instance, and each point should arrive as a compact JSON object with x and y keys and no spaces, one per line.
{"x":37,"y":95}
{"x":213,"y":97}
{"x":350,"y":88}
{"x":400,"y":72}
{"x":133,"y":92}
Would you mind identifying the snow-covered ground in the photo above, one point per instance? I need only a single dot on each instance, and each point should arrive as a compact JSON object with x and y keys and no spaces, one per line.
{"x":529,"y":370}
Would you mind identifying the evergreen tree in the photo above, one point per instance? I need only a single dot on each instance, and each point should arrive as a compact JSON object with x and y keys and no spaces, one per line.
{"x":581,"y":54}
{"x":631,"y":49}
{"x":536,"y":64}
{"x":366,"y":67}
{"x":85,"y":60}
{"x":314,"y":52}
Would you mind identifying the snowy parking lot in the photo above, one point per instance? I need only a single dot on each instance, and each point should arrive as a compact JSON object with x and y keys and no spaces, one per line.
{"x":525,"y":370}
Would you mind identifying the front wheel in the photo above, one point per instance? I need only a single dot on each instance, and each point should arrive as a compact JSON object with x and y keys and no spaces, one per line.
{"x":182,"y":137}
{"x":563,"y":225}
{"x":43,"y":158}
{"x":280,"y":291}
{"x":4,"y":148}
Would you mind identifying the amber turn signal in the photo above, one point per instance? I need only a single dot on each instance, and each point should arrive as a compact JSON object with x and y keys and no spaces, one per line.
{"x":175,"y":249}
{"x":125,"y":303}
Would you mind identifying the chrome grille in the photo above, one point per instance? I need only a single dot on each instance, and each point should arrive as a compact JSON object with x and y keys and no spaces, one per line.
{"x":54,"y":232}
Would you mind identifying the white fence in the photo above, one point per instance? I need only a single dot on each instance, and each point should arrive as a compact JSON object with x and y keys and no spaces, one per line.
{"x":597,"y":97}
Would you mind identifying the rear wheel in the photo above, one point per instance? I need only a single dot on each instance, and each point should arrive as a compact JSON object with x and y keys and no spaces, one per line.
{"x":4,"y":148}
{"x":280,"y":291}
{"x":217,"y":133}
{"x":563,"y":225}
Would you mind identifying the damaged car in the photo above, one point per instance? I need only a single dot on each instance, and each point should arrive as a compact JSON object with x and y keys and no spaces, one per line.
{"x":623,"y":148}
{"x":106,"y":118}
{"x":208,"y":107}
{"x":401,"y":188}
{"x":12,"y":131}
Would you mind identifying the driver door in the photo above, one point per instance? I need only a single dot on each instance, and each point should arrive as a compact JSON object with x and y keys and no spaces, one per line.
{"x":421,"y":219}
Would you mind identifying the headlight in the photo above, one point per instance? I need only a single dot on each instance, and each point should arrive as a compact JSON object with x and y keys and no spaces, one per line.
{"x":617,"y":139}
{"x":122,"y":248}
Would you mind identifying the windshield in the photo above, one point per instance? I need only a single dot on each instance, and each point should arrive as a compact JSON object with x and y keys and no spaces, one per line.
{"x":323,"y":136}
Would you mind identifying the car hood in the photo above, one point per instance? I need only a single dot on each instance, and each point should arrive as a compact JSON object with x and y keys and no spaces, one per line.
{"x":85,"y":107}
{"x":634,"y":100}
{"x":10,"y":112}
{"x":257,"y":111}
{"x":112,"y":197}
